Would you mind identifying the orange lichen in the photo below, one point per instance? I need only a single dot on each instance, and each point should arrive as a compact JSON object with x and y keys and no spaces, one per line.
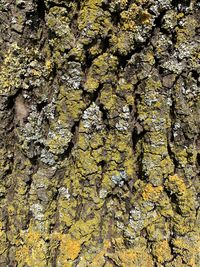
{"x":69,"y":248}
{"x":133,"y":258}
{"x":152,"y":193}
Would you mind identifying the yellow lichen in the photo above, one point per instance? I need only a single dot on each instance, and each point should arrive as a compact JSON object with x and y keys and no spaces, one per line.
{"x":101,"y":71}
{"x":108,"y":98}
{"x":176,"y":184}
{"x":99,"y":259}
{"x":33,"y":251}
{"x":162,"y":251}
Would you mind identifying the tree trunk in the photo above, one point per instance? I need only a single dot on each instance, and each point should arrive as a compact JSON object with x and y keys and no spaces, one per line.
{"x":100,"y":148}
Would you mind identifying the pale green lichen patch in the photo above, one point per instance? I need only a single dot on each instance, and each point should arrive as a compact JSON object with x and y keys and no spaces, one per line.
{"x":58,"y":138}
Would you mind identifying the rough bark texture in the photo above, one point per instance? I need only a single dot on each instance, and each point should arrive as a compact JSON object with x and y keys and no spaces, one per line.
{"x":99,"y":148}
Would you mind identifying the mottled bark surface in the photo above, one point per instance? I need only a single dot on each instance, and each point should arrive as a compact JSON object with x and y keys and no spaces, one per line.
{"x":99,"y":147}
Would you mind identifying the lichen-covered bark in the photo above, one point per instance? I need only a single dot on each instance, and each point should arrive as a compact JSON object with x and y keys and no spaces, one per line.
{"x":99,"y":147}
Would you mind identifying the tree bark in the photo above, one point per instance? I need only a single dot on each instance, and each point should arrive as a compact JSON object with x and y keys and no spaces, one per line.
{"x":100,"y":148}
